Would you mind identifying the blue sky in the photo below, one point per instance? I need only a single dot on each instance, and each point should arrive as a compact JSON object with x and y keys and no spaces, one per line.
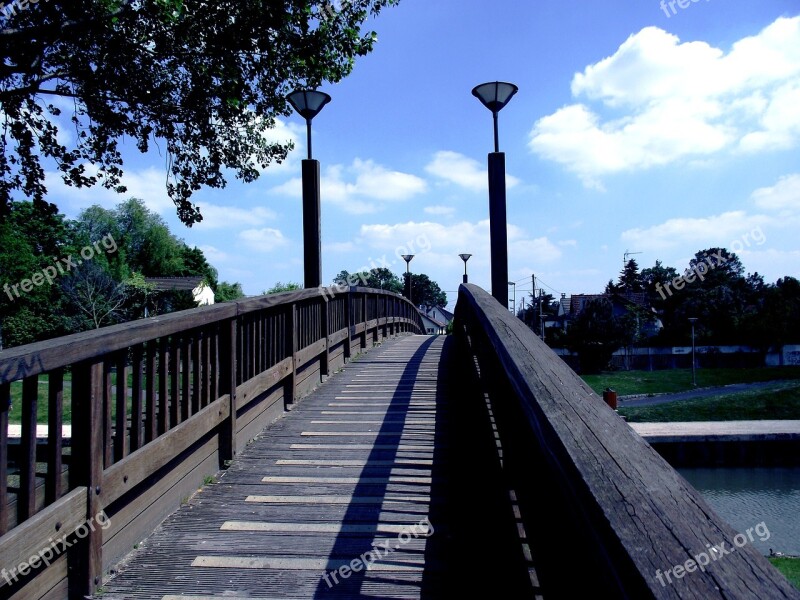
{"x":636,"y":128}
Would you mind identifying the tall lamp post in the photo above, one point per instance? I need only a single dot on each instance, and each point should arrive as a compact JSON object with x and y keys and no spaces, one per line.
{"x":407,"y":258}
{"x":494,"y":96}
{"x":465,"y":258}
{"x":514,"y":301}
{"x":308,"y":103}
{"x":693,"y":320}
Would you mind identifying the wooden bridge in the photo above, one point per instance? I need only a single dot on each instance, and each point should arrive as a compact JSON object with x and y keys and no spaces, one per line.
{"x":420,"y":467}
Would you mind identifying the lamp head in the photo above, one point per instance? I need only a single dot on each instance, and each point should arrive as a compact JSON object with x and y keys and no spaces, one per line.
{"x":308,"y":103}
{"x":408,"y":257}
{"x":495,"y":95}
{"x":465,"y":257}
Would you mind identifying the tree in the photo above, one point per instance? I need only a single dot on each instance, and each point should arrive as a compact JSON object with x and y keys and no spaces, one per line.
{"x":630,"y":280}
{"x":279,"y":287}
{"x":425,"y":292}
{"x":228,"y":291}
{"x":596,"y":333}
{"x":95,"y":295}
{"x":205,"y":79}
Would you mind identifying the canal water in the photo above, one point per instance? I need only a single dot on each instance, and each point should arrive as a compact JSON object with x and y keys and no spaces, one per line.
{"x":746,"y":497}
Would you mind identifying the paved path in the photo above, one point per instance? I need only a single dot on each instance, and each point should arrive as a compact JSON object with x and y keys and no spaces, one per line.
{"x":376,"y":463}
{"x":735,"y":388}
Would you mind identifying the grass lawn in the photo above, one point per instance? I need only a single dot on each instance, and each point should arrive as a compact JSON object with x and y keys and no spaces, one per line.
{"x":789,"y":567}
{"x":779,"y":401}
{"x":15,"y":414}
{"x":680,"y":380}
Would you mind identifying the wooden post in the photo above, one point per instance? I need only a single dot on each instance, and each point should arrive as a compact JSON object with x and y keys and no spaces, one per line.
{"x":366,"y":320}
{"x":348,"y":321}
{"x":227,"y":358}
{"x":324,"y":367}
{"x":85,"y":561}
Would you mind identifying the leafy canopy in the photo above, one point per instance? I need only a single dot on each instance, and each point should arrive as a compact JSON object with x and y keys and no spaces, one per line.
{"x":204,"y":81}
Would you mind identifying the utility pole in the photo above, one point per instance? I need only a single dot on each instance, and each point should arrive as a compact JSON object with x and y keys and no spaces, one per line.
{"x":541,"y":315}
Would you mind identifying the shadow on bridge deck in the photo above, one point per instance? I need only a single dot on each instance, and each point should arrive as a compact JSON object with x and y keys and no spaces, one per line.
{"x":391,"y":463}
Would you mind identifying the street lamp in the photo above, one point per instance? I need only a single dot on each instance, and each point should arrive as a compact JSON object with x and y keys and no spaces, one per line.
{"x":465,"y":258}
{"x":308,"y":103}
{"x":495,"y":96}
{"x":407,"y":258}
{"x":693,"y":320}
{"x":514,"y":305}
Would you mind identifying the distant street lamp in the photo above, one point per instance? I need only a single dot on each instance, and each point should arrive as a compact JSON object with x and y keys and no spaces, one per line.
{"x":514,"y":305}
{"x":465,"y":258}
{"x":693,"y":320}
{"x":407,"y":258}
{"x":494,"y":96}
{"x":308,"y":103}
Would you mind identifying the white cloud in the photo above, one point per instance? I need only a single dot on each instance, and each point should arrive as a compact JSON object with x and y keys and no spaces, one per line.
{"x":217,"y":217}
{"x":148,"y":184}
{"x":215,"y":255}
{"x":657,"y":101}
{"x":718,"y":230}
{"x":463,"y":171}
{"x":440,"y":210}
{"x":784,"y":195}
{"x":440,"y":244}
{"x":361,"y":187}
{"x":263,"y":240}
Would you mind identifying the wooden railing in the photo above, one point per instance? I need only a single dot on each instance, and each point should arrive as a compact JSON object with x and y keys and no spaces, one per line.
{"x":604,"y":514}
{"x":156,"y":405}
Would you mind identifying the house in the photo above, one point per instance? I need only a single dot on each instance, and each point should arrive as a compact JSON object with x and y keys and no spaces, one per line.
{"x":437,"y":313}
{"x":433,"y":326}
{"x":571,"y":307}
{"x":201,"y":292}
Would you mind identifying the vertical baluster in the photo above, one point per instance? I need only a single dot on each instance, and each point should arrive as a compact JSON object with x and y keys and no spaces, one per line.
{"x":136,"y":400}
{"x":186,"y":379}
{"x":121,"y":428}
{"x":108,"y":430}
{"x":5,"y":398}
{"x":163,"y":386}
{"x":215,"y":372}
{"x":26,"y":502}
{"x":175,"y":377}
{"x":205,"y":396}
{"x":197,"y":372}
{"x":55,"y":421}
{"x":150,"y":375}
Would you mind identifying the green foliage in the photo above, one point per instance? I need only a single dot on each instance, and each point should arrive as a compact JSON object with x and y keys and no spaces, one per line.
{"x":379,"y":278}
{"x":425,"y":292}
{"x":283,"y":287}
{"x":128,"y":243}
{"x":596,"y":333}
{"x":228,"y":291}
{"x":205,"y":82}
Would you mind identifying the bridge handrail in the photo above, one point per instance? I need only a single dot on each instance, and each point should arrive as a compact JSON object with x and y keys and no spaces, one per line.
{"x":604,"y":502}
{"x":154,"y":401}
